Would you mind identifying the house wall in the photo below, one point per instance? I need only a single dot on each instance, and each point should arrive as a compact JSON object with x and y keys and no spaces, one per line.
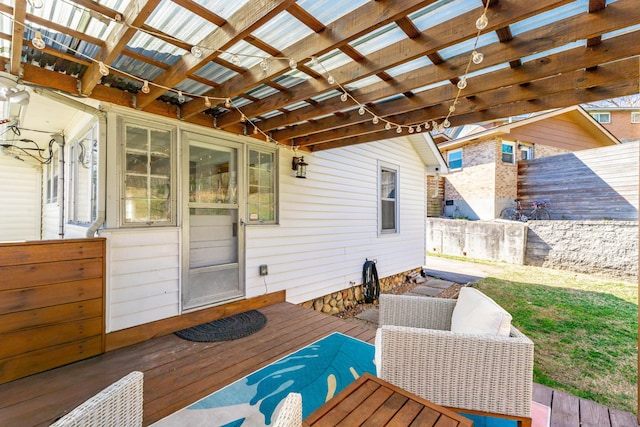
{"x":328,"y":223}
{"x":622,"y":127}
{"x":472,"y":188}
{"x":19,"y":200}
{"x":559,"y":132}
{"x":327,"y":229}
{"x":506,"y":182}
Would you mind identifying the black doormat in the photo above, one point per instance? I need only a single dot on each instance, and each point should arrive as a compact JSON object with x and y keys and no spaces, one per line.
{"x":226,"y":329}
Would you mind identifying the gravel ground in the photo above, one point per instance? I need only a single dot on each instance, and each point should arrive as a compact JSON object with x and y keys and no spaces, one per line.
{"x":351,"y":312}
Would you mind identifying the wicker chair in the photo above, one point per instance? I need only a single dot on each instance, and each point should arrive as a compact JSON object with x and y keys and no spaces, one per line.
{"x":119,"y":405}
{"x":290,"y":414}
{"x":419,"y":353}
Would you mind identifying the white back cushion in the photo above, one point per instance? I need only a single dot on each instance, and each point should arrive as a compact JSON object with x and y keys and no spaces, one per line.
{"x":476,"y":313}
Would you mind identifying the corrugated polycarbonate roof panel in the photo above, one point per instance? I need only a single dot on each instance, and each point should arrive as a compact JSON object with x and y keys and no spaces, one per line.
{"x":381,"y":38}
{"x":546,"y":18}
{"x":216,"y":73}
{"x":441,"y":11}
{"x":329,"y":61}
{"x":155,"y":48}
{"x":327,"y":11}
{"x":245,"y":55}
{"x":282,"y":31}
{"x":136,"y":68}
{"x":179,"y":22}
{"x":466,"y":47}
{"x":222,"y":8}
{"x":418,"y":63}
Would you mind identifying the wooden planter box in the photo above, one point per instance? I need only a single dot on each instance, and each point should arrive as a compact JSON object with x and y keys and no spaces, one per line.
{"x":52,"y":304}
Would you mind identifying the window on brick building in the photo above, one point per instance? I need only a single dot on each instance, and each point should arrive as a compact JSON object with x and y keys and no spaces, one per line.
{"x":526,"y":152}
{"x":508,"y":152}
{"x":635,"y":117}
{"x":602,"y":117}
{"x":454,"y":159}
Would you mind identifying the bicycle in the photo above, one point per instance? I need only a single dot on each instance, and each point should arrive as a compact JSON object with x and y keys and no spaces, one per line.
{"x":538,"y":211}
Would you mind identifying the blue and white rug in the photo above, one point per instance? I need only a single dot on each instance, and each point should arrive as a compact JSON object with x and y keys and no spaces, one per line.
{"x":317,"y":371}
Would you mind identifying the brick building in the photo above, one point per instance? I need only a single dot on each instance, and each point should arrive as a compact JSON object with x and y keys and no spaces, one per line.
{"x":623,"y":122}
{"x":483,"y":173}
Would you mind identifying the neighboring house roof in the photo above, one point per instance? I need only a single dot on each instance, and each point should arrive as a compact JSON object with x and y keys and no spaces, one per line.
{"x":426,"y":148}
{"x":515,"y":130}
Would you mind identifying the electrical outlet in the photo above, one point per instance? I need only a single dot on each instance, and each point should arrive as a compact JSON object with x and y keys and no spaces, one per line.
{"x":264,"y":270}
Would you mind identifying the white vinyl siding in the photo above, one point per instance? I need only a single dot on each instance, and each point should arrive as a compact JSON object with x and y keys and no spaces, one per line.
{"x":20,"y":201}
{"x":329,"y":226}
{"x":143,"y":273}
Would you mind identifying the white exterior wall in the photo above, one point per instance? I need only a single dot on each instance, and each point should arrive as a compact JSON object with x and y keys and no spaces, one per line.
{"x":143,"y":276}
{"x":19,"y":200}
{"x":329,"y":222}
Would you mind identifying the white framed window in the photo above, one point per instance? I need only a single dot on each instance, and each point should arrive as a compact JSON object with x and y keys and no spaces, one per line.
{"x":454,"y":159}
{"x":526,"y":152}
{"x":148,"y":187}
{"x":84,"y":178}
{"x":635,"y":117}
{"x":508,"y":152}
{"x":602,"y":117}
{"x":388,"y":206}
{"x":52,"y":175}
{"x":262,"y":197}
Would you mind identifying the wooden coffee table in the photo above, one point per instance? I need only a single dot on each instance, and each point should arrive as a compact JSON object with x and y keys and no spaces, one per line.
{"x":371,"y":401}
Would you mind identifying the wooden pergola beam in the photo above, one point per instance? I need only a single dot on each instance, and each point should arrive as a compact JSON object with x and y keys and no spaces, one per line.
{"x":241,"y":24}
{"x":340,"y":32}
{"x":435,"y":38}
{"x":581,"y":26}
{"x":502,"y":97}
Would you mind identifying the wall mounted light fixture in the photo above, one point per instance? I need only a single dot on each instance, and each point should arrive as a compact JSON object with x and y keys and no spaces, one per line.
{"x":300,"y":166}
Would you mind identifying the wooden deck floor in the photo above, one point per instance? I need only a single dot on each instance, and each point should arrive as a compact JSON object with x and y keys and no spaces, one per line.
{"x":179,"y":372}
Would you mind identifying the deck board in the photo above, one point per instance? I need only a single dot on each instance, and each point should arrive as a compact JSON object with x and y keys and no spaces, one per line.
{"x":179,"y":372}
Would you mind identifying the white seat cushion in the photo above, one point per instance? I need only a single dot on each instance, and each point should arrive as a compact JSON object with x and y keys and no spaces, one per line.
{"x":476,"y":313}
{"x":377,"y":358}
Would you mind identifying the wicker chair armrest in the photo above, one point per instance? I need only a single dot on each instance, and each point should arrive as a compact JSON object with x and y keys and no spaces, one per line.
{"x":416,"y":311}
{"x":290,"y":413}
{"x":120,"y":404}
{"x":468,"y":371}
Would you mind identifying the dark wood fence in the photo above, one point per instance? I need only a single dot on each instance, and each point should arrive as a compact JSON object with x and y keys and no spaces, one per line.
{"x":597,"y":184}
{"x":51,"y":304}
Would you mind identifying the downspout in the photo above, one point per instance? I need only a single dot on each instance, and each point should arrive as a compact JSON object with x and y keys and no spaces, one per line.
{"x":102,"y":152}
{"x":59,"y":139}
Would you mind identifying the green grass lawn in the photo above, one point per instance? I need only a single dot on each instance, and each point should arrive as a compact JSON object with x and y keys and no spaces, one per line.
{"x":585,"y":329}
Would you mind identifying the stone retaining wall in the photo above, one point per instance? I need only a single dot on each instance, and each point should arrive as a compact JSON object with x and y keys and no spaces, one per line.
{"x":602,"y":247}
{"x":338,"y":301}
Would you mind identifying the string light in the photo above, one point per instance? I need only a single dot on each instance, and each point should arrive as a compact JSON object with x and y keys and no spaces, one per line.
{"x":37,"y":41}
{"x":103,"y":69}
{"x":196,"y":52}
{"x":476,"y":57}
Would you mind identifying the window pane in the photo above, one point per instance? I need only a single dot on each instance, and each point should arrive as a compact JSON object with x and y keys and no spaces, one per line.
{"x":507,"y":153}
{"x":454,"y":158}
{"x":388,"y":184}
{"x":388,"y":215}
{"x":261,"y":203}
{"x":147,"y":181}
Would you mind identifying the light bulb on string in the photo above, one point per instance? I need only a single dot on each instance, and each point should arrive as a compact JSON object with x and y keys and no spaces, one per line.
{"x":399,"y":129}
{"x":103,"y":69}
{"x":293,"y":64}
{"x":145,"y":87}
{"x":207,"y":102}
{"x":235,"y":59}
{"x":36,"y":4}
{"x":227,"y":103}
{"x":452,"y":108}
{"x":264,"y":64}
{"x":196,"y":51}
{"x":426,"y":125}
{"x":38,"y":42}
{"x":314,"y":61}
{"x":410,"y":129}
{"x":255,"y":129}
{"x":462,"y":83}
{"x":434,"y":125}
{"x":387,"y":126}
{"x":482,"y":22}
{"x":181,"y":97}
{"x":331,"y":80}
{"x":361,"y":110}
{"x":418,"y":128}
{"x":344,"y":97}
{"x":477,"y":57}
{"x":446,"y":123}
{"x":375,"y":120}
